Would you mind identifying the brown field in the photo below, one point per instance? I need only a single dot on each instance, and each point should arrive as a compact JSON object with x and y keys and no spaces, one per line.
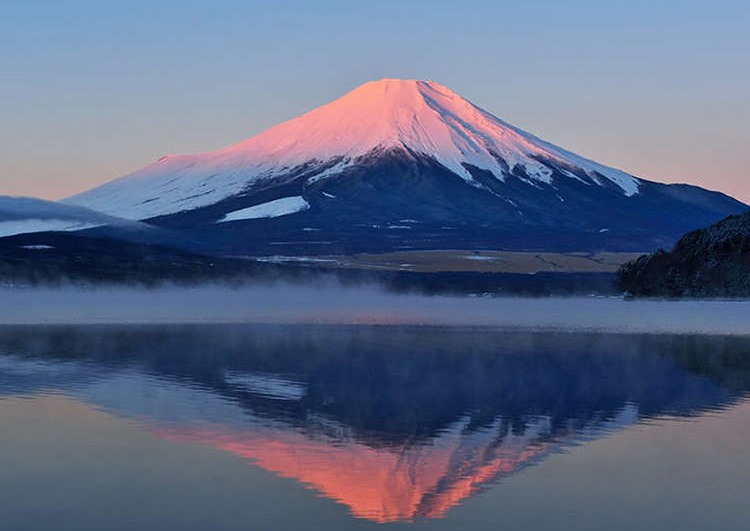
{"x":479,"y":261}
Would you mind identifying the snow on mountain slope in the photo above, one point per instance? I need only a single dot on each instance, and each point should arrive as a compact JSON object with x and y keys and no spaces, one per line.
{"x":271,"y":209}
{"x":22,"y":215}
{"x":421,"y":116}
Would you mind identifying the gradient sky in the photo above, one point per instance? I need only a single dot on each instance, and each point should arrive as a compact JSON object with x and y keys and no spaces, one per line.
{"x":92,"y":89}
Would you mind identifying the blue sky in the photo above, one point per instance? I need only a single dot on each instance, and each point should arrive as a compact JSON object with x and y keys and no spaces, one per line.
{"x":91,"y":90}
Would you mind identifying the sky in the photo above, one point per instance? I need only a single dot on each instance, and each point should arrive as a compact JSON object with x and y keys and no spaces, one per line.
{"x":91,"y":90}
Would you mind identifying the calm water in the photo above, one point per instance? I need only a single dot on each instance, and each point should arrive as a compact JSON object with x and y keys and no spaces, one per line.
{"x":345,"y":427}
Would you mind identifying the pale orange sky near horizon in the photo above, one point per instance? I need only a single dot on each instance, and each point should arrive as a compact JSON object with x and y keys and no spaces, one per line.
{"x":97,"y":91}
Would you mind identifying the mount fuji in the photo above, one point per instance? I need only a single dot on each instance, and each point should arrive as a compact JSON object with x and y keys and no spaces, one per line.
{"x":403,"y":165}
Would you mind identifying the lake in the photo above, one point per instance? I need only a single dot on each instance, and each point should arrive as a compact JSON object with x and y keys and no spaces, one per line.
{"x":330,"y":426}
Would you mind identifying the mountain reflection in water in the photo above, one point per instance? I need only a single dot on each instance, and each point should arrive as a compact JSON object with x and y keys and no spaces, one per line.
{"x":397,"y":423}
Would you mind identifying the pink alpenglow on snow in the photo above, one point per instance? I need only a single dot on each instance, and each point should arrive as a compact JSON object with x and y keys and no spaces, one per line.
{"x":421,"y":116}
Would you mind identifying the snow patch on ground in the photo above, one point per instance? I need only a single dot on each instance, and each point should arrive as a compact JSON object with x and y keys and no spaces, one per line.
{"x":272,"y":209}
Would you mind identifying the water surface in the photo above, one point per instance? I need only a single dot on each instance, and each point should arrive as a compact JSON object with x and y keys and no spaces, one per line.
{"x":345,"y":427}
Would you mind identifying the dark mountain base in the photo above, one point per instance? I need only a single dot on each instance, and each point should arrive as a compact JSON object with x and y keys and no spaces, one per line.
{"x":54,"y":259}
{"x":57,"y":258}
{"x":712,"y":262}
{"x":398,"y":200}
{"x":493,"y":284}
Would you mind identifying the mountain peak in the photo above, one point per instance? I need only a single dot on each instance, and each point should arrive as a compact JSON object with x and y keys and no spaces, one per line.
{"x":424,"y":117}
{"x":401,"y":92}
{"x":384,"y":113}
{"x":394,"y":85}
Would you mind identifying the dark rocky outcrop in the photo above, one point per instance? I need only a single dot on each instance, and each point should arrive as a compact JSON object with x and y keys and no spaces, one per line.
{"x":710,"y":262}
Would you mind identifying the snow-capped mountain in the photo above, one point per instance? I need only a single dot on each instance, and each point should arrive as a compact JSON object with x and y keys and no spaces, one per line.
{"x":404,"y":164}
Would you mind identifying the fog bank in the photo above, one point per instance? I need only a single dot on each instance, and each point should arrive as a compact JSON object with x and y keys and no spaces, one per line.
{"x":285,"y":304}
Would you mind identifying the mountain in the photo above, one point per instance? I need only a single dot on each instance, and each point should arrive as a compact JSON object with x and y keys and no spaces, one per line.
{"x":398,"y":164}
{"x":24,"y":215}
{"x":711,"y":262}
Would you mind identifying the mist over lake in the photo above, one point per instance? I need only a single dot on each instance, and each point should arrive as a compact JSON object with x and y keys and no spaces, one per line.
{"x":332,"y":304}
